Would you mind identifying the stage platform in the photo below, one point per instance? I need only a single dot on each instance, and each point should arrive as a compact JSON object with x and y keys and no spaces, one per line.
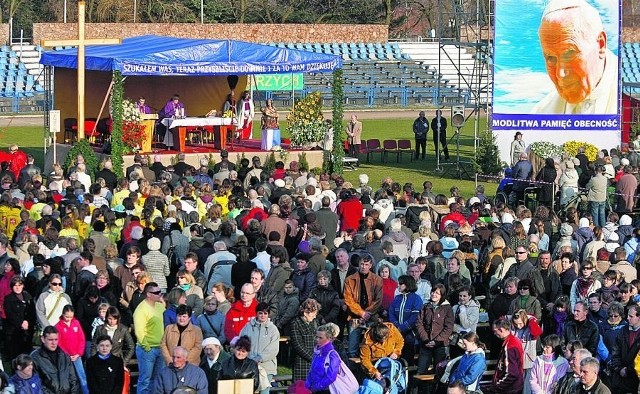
{"x":195,"y":152}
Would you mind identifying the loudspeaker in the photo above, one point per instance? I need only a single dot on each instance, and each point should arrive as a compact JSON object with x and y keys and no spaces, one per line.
{"x":457,"y":116}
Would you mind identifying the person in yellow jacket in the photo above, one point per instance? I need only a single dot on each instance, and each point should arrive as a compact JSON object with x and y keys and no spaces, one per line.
{"x":381,"y":340}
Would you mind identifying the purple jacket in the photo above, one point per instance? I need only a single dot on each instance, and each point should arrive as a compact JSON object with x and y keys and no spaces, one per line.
{"x":321,"y":375}
{"x":169,"y":110}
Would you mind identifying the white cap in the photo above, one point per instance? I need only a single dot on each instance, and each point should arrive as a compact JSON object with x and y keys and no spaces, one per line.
{"x":210,"y":341}
{"x":474,"y":200}
{"x":279,"y":183}
{"x":624,"y":161}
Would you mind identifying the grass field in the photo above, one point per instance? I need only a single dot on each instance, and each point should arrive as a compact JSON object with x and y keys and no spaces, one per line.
{"x":30,"y":139}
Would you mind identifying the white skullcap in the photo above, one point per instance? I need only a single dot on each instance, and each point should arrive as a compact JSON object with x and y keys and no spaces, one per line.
{"x":624,"y":161}
{"x":625,"y":220}
{"x":584,"y":222}
{"x":210,"y":341}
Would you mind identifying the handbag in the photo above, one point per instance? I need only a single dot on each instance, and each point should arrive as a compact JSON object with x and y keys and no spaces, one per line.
{"x":345,"y":382}
{"x":37,"y":334}
{"x":530,"y":352}
{"x":127,"y":382}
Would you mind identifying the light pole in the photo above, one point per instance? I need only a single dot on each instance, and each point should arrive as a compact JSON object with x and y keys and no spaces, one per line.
{"x":65,"y":11}
{"x":201,"y":11}
{"x":135,"y":10}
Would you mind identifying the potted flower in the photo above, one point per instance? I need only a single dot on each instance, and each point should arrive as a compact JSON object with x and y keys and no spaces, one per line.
{"x":306,"y":123}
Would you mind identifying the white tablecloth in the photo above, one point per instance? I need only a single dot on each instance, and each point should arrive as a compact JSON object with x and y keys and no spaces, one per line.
{"x":171,"y":123}
{"x":270,"y":138}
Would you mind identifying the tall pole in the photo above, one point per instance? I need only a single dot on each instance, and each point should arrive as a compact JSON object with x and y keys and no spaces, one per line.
{"x":202,"y":11}
{"x":64,"y":18}
{"x":135,"y":10}
{"x":81,"y":11}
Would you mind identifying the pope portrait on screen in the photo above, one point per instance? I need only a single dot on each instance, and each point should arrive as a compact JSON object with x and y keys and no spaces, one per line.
{"x":583,"y":70}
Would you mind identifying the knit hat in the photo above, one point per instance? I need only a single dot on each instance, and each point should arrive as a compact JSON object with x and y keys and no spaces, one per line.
{"x":279,"y":183}
{"x":210,"y":341}
{"x":584,"y":222}
{"x":624,"y":161}
{"x":625,"y":220}
{"x":153,"y":244}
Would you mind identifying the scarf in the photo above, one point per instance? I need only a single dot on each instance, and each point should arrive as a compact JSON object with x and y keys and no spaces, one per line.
{"x":583,"y":286}
{"x":560,"y":318}
{"x":523,"y":301}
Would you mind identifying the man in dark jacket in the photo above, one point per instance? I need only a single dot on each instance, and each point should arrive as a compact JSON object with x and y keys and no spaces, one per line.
{"x":212,"y":363}
{"x":439,"y":127}
{"x":582,"y":329}
{"x":54,"y":366}
{"x":521,"y":174}
{"x":550,"y":280}
{"x":590,"y":383}
{"x":328,"y":219}
{"x":420,"y":129}
{"x":624,"y":353}
{"x":264,"y":293}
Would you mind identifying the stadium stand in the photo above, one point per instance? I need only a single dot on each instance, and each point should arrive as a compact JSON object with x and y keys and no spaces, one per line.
{"x":375,"y":74}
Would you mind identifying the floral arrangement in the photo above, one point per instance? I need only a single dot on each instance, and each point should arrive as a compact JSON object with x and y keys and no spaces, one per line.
{"x":306,"y":123}
{"x":130,"y":111}
{"x":281,"y":152}
{"x":571,"y":147}
{"x":133,"y":133}
{"x":546,"y":149}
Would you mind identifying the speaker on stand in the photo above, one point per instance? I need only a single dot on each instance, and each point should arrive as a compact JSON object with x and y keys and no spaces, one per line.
{"x":458,"y":120}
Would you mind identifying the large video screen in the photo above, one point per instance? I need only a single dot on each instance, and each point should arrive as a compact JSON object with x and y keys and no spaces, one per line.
{"x":556,"y":68}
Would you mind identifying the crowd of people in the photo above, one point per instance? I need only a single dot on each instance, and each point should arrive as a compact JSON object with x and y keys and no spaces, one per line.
{"x":200,"y":274}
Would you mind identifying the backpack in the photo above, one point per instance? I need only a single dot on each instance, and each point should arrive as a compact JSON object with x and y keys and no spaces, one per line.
{"x":370,"y":386}
{"x":393,"y":371}
{"x":174,"y":262}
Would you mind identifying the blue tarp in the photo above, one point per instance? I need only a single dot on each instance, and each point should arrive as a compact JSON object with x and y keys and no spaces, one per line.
{"x":155,"y":55}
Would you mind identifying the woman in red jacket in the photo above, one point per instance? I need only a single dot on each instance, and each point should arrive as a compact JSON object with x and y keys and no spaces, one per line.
{"x":72,"y":341}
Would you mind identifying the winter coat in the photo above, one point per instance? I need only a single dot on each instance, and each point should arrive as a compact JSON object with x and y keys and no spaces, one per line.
{"x":105,"y":376}
{"x":466,"y":317}
{"x":86,"y":312}
{"x":404,"y":311}
{"x":609,"y":334}
{"x":56,"y":379}
{"x":190,"y":375}
{"x":543,"y":382}
{"x":329,"y":302}
{"x":237,"y":317}
{"x":232,"y":368}
{"x":212,"y":325}
{"x":190,"y":339}
{"x":32,"y":385}
{"x":586,"y":332}
{"x":123,"y":345}
{"x":470,"y":369}
{"x":623,"y":355}
{"x":321,"y":375}
{"x":266,"y":294}
{"x":305,"y":281}
{"x":401,"y":243}
{"x":212,"y":372}
{"x":449,"y":244}
{"x":532,"y":306}
{"x":435,"y":323}
{"x":371,"y":351}
{"x":302,"y":342}
{"x":288,"y":305}
{"x":71,"y":338}
{"x":396,"y":265}
{"x":265,"y":344}
{"x":45,"y":304}
{"x":278,"y":274}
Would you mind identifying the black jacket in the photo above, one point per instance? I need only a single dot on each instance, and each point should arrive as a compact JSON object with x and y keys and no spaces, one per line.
{"x":56,"y":379}
{"x":232,"y":368}
{"x":105,"y":376}
{"x":329,"y":301}
{"x":214,"y":371}
{"x":17,"y":312}
{"x":586,"y":332}
{"x":623,"y":355}
{"x":335,"y":279}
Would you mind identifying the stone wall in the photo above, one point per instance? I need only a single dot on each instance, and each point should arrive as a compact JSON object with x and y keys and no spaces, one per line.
{"x":246,"y":32}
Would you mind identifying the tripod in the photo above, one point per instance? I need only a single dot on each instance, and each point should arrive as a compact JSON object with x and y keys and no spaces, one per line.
{"x":457,"y":164}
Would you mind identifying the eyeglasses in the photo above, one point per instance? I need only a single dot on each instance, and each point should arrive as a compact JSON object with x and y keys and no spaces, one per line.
{"x":56,"y":283}
{"x":157,"y":292}
{"x":524,"y":288}
{"x":614,"y":315}
{"x":587,"y":268}
{"x":521,"y":252}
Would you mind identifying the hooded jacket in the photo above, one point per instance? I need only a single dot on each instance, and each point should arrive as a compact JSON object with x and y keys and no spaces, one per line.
{"x":265,"y":343}
{"x":305,"y":281}
{"x":288,"y":305}
{"x":278,"y":274}
{"x":404,"y":311}
{"x":371,"y":351}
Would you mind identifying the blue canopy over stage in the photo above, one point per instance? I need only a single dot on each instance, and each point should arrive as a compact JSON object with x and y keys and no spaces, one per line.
{"x":163,"y":56}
